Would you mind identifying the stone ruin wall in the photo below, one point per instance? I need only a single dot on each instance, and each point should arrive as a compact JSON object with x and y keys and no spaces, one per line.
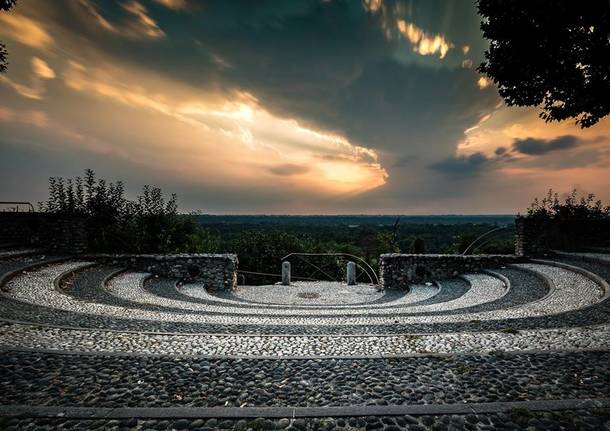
{"x":217,"y":272}
{"x":398,"y":270}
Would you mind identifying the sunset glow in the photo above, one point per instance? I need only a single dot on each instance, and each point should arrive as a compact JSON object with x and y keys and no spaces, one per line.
{"x":389,"y":116}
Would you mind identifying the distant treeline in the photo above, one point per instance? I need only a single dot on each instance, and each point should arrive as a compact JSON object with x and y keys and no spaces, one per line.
{"x":261,"y":241}
{"x":380,"y":220}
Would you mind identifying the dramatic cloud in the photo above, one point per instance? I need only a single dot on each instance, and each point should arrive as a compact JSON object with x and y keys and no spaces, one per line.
{"x":288,"y":169}
{"x":301,"y":106}
{"x":137,"y":24}
{"x":537,"y":147}
{"x":174,"y":4}
{"x":41,"y":72}
{"x":24,"y":30}
{"x":462,"y":165}
{"x":423,"y":43}
{"x":483,"y":82}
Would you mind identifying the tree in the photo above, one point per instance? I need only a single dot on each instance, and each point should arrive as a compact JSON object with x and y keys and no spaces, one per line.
{"x":4,"y":6}
{"x":551,"y":54}
{"x":572,"y":207}
{"x":418,"y":246}
{"x":148,"y":224}
{"x":465,"y":240}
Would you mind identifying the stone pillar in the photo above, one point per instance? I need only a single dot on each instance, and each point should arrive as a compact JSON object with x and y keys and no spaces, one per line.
{"x":351,"y":273}
{"x":286,"y":273}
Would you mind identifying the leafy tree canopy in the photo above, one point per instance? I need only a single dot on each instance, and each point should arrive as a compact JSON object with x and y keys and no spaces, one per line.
{"x":552,"y":54}
{"x":4,"y":5}
{"x":551,"y":207}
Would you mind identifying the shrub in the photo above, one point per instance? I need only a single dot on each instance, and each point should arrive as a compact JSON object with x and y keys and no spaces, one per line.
{"x":148,"y":224}
{"x":572,"y":208}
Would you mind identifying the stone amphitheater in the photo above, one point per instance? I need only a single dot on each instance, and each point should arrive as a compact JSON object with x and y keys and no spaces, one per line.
{"x":90,"y":344}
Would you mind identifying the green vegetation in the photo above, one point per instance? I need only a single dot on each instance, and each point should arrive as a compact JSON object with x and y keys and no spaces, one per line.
{"x":151,"y":224}
{"x":261,"y":241}
{"x":571,"y":208}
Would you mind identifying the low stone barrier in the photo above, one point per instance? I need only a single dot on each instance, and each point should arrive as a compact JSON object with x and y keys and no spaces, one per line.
{"x":216,"y":271}
{"x":57,"y":233}
{"x":537,"y":237}
{"x":398,"y":270}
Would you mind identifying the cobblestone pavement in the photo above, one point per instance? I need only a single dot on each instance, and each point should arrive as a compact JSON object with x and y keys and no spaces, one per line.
{"x":96,"y":338}
{"x":571,"y":291}
{"x":516,"y":419}
{"x":416,"y":294}
{"x":135,"y":381}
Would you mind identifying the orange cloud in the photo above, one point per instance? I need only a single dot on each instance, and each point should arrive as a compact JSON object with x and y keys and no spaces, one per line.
{"x":140,"y":23}
{"x":41,"y":71}
{"x":173,"y":4}
{"x":242,"y":129}
{"x":483,"y":82}
{"x":143,"y":23}
{"x":24,"y":30}
{"x":423,"y":43}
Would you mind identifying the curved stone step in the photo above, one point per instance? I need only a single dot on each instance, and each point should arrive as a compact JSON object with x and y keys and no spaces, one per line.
{"x":124,"y":324}
{"x":318,"y":346}
{"x":197,"y":293}
{"x":129,"y":287}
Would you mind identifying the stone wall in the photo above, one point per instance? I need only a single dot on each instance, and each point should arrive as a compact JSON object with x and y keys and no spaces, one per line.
{"x":217,"y":271}
{"x":53,"y":232}
{"x":535,"y":237}
{"x":398,"y":270}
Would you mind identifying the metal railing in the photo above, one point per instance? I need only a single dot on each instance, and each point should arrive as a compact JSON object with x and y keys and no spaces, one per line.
{"x":243,"y":272}
{"x":361,"y":263}
{"x":477,"y":244}
{"x":14,"y":208}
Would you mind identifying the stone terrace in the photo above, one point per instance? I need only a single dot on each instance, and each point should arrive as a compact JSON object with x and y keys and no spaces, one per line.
{"x":107,"y":342}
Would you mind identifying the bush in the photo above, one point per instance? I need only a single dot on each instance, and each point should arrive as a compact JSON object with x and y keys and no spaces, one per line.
{"x":418,"y":246}
{"x":572,"y":208}
{"x":115,"y":224}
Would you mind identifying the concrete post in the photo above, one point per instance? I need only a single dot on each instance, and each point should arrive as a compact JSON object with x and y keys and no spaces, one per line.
{"x":351,"y":273}
{"x":286,"y":273}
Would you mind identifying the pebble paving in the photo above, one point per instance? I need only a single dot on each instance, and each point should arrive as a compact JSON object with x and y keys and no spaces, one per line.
{"x":484,"y":289}
{"x":135,"y":381}
{"x":516,"y":419}
{"x":195,"y":292}
{"x":572,"y":291}
{"x":546,"y":337}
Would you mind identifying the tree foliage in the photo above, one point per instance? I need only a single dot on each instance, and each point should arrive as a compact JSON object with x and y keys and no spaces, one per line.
{"x":148,"y":224}
{"x":552,"y":54}
{"x":572,"y":207}
{"x":418,"y":246}
{"x":4,"y":6}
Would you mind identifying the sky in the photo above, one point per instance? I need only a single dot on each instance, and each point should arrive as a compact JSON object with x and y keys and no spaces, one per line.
{"x":283,"y":107}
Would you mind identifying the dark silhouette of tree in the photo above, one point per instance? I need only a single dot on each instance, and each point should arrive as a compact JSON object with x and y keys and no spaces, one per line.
{"x":552,"y":54}
{"x":4,"y":5}
{"x":148,"y":224}
{"x":572,"y":207}
{"x":418,"y":246}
